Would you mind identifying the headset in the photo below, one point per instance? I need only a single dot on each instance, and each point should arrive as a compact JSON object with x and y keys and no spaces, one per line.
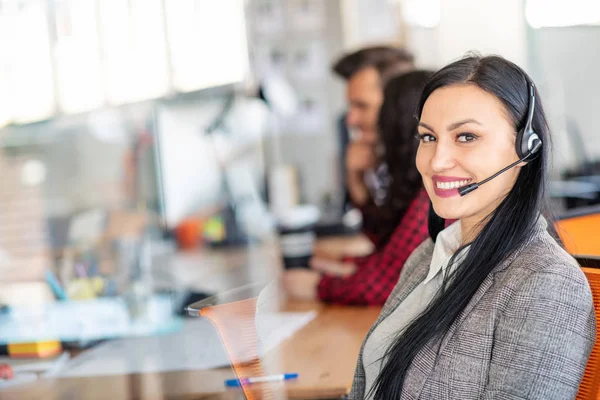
{"x":528,"y":142}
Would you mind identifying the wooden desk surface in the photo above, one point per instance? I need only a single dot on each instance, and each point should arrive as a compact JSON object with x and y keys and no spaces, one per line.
{"x":324,"y":352}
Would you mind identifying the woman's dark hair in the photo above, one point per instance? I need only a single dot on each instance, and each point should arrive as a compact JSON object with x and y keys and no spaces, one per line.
{"x":397,"y":130}
{"x":502,"y":233}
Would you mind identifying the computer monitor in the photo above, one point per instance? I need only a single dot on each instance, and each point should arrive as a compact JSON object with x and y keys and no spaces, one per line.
{"x":189,"y":176}
{"x":202,"y":164}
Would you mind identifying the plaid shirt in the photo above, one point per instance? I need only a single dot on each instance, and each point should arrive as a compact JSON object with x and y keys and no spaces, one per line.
{"x":378,"y":273}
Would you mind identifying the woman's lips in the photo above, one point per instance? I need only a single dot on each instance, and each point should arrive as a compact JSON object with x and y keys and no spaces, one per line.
{"x":447,"y":186}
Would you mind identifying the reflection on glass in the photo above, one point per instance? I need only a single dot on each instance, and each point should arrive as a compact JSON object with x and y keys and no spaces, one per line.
{"x":26,"y":93}
{"x":207,"y":41}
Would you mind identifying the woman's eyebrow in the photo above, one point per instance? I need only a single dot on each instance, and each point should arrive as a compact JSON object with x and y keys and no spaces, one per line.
{"x":455,"y":125}
{"x":424,"y":125}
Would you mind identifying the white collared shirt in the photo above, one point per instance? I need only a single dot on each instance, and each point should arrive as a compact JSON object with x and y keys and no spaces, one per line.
{"x":447,"y":243}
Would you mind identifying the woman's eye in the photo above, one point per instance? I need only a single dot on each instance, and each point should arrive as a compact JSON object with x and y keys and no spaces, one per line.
{"x":466,"y":137}
{"x":426,"y":137}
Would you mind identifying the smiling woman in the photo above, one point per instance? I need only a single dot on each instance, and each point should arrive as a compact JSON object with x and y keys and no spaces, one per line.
{"x":490,"y":306}
{"x":465,"y":137}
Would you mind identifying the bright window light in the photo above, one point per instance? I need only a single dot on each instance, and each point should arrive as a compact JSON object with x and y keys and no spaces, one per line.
{"x":26,"y":82}
{"x":557,"y":13}
{"x":134,"y":50}
{"x":207,"y":41}
{"x":80,"y":85}
{"x":421,"y":13}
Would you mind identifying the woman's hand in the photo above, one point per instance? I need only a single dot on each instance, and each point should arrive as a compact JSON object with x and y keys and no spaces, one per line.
{"x":301,"y":283}
{"x":332,"y":267}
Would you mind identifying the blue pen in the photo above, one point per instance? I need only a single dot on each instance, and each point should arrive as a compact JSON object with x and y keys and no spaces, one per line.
{"x":58,"y":290}
{"x":258,"y":379}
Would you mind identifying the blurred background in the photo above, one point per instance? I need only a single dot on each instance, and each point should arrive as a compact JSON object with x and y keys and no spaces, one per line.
{"x":178,"y":125}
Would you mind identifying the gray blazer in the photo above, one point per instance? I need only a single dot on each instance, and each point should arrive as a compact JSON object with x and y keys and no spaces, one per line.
{"x":527,"y":333}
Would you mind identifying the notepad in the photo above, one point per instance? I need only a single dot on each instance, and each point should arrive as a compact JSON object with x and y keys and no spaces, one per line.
{"x":197,"y":346}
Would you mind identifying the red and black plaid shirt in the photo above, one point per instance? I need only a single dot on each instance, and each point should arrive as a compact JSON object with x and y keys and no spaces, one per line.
{"x":378,"y":273}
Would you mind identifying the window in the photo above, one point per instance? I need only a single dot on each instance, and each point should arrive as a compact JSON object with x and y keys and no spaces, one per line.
{"x":557,"y":13}
{"x":207,"y":40}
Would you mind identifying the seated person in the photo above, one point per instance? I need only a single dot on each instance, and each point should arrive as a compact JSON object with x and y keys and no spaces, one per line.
{"x":492,"y":306}
{"x":364,"y":176}
{"x":369,"y":280}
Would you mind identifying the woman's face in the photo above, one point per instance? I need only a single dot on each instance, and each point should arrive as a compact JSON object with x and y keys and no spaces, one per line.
{"x":466,"y":136}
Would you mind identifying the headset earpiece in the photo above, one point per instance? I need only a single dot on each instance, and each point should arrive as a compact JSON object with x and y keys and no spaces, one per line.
{"x":528,"y":143}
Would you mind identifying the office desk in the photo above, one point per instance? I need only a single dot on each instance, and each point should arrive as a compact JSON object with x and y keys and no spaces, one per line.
{"x":324,"y":352}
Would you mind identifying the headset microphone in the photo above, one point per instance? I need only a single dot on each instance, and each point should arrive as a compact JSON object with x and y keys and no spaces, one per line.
{"x":472,"y":186}
{"x":528,"y":144}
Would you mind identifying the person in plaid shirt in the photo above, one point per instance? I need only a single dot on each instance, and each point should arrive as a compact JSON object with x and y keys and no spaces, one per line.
{"x":396,"y":227}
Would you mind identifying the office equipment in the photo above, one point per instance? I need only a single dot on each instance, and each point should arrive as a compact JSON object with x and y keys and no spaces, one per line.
{"x":85,"y":320}
{"x":207,"y":156}
{"x":260,"y":379}
{"x":188,"y":172}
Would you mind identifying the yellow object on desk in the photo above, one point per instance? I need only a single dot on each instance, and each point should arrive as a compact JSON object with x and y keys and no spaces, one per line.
{"x":44,"y":349}
{"x":85,"y":288}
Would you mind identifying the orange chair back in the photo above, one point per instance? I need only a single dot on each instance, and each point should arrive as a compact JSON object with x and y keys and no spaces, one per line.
{"x":581,"y":234}
{"x":588,"y":390}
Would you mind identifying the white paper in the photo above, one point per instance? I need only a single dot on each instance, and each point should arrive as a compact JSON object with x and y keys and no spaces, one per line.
{"x":197,"y":346}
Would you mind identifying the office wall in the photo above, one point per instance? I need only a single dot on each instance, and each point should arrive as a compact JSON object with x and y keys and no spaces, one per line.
{"x":562,"y":61}
{"x":485,"y":26}
{"x":370,"y":22}
{"x":566,"y":61}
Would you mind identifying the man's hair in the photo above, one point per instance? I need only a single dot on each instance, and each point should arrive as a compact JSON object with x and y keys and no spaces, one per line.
{"x":387,"y":60}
